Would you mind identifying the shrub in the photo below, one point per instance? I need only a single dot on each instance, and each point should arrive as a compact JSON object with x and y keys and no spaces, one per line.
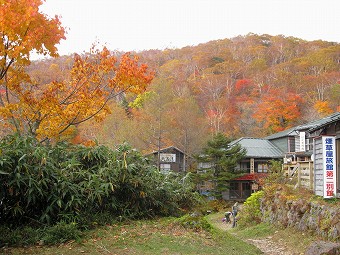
{"x":251,"y":211}
{"x":21,"y":236}
{"x":46,"y":184}
{"x":62,"y":232}
{"x":26,"y":235}
{"x":194,"y":221}
{"x":276,"y":174}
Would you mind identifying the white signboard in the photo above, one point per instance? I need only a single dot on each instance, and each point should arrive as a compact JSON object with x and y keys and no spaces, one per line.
{"x":329,"y":166}
{"x":167,"y":157}
{"x":302,"y":141}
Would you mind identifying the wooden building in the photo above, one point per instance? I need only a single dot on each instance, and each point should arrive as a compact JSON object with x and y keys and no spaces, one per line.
{"x":170,"y":159}
{"x":254,"y":166}
{"x":312,"y":154}
{"x":326,"y":155}
{"x":297,"y":149}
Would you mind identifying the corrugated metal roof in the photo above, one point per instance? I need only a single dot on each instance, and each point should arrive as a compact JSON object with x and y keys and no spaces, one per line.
{"x":165,"y":149}
{"x":325,"y":121}
{"x":259,"y":148}
{"x":310,"y":126}
{"x":287,"y":132}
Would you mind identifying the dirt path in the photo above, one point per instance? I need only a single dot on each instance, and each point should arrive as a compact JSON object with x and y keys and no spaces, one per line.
{"x":267,"y":245}
{"x":270,"y":247}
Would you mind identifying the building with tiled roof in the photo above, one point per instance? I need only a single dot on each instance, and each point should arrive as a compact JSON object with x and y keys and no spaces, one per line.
{"x":255,"y":165}
{"x":305,"y":151}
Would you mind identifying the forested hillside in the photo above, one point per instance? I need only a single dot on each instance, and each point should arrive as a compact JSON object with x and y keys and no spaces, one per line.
{"x":250,"y":85}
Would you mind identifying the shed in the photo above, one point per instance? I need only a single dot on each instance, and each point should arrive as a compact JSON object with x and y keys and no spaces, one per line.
{"x":170,"y":159}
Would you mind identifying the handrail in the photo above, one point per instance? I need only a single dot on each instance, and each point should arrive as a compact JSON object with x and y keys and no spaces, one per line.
{"x":294,"y":169}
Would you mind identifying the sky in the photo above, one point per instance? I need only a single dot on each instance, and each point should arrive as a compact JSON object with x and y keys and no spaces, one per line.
{"x":136,"y":25}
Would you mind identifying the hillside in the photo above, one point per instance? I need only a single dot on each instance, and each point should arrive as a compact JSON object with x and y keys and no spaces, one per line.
{"x":250,"y":85}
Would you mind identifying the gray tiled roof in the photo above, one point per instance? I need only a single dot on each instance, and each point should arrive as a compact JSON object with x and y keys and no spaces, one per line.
{"x":264,"y":148}
{"x":325,"y":121}
{"x":287,"y":132}
{"x":259,"y":148}
{"x":310,"y":126}
{"x":167,"y":148}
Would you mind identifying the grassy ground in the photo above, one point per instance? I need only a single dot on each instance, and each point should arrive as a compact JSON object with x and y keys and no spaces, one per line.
{"x":148,"y":238}
{"x":168,"y":237}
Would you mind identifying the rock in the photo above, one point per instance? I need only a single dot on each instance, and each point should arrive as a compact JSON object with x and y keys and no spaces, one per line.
{"x":314,"y":217}
{"x":323,"y":248}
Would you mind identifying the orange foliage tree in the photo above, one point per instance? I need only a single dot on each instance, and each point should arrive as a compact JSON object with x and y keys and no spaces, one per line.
{"x":48,"y":111}
{"x":51,"y":110}
{"x":323,"y":108}
{"x":24,"y":29}
{"x":278,"y":110}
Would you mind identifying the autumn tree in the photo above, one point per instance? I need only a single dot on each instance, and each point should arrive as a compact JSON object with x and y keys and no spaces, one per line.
{"x":282,"y":49}
{"x":323,"y":108}
{"x":335,"y":96}
{"x":278,"y":111}
{"x":46,"y":70}
{"x":262,"y":64}
{"x":213,"y":91}
{"x":49,"y":110}
{"x":115,"y":129}
{"x":150,"y":121}
{"x":23,"y":30}
{"x":245,"y":98}
{"x":187,"y":129}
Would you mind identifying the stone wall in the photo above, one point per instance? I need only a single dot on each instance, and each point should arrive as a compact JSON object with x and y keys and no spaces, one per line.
{"x":319,"y":218}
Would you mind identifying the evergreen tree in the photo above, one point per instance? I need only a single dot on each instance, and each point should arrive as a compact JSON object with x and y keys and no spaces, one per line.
{"x":223,"y":159}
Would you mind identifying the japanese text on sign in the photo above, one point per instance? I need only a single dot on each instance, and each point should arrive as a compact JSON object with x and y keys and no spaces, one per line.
{"x":167,"y":157}
{"x":328,"y":148}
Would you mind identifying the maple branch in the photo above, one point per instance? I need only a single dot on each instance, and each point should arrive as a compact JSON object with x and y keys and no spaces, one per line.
{"x":4,"y":70}
{"x":13,"y":120}
{"x":64,"y":129}
{"x":100,"y":108}
{"x":77,"y":86}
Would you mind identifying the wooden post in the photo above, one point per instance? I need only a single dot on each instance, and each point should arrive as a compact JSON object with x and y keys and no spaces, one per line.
{"x":311,"y":176}
{"x":299,"y":175}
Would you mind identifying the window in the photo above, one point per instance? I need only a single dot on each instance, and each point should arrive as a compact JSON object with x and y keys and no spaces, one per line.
{"x":202,"y":165}
{"x":245,"y":186}
{"x":233,"y":186}
{"x":309,"y":144}
{"x":262,"y":168}
{"x":291,"y":144}
{"x":165,"y":168}
{"x":244,"y":166}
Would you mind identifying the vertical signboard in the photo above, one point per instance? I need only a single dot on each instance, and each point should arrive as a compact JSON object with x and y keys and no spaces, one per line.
{"x":329,"y":166}
{"x":302,"y":141}
{"x":252,"y":165}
